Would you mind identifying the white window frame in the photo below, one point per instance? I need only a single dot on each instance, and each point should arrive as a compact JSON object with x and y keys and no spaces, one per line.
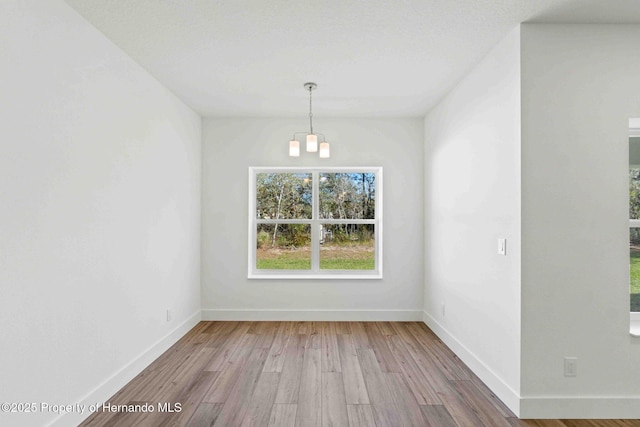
{"x":634,"y":316}
{"x":315,"y":272}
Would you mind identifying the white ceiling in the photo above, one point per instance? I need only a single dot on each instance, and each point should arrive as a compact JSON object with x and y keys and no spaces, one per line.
{"x":380,"y":58}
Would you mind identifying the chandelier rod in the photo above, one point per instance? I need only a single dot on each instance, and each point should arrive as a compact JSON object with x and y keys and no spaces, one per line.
{"x":310,"y":110}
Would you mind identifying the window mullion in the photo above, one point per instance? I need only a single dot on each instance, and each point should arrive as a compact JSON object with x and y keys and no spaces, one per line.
{"x":315,"y":227}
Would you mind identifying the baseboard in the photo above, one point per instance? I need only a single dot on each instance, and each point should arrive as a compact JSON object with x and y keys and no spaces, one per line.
{"x":508,"y":396}
{"x":580,"y":407}
{"x":314,"y":315}
{"x":111,"y":385}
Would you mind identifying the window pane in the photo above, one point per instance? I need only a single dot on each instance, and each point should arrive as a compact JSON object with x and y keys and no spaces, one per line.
{"x":347,"y":247}
{"x":283,"y":247}
{"x":283,"y":195}
{"x":634,"y":235}
{"x":347,"y":195}
{"x":634,"y":193}
{"x":634,"y":252}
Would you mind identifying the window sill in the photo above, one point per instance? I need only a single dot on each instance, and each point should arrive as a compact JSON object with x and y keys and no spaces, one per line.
{"x":634,"y":328}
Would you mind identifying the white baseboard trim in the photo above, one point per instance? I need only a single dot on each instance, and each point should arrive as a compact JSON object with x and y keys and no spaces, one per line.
{"x":314,"y":315}
{"x":111,"y":385}
{"x":580,"y":407}
{"x":508,"y":396}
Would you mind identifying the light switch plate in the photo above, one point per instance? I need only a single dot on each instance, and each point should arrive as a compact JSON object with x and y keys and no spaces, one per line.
{"x":502,"y":246}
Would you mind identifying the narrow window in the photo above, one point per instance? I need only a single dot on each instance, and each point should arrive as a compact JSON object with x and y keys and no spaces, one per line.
{"x":634,"y":218}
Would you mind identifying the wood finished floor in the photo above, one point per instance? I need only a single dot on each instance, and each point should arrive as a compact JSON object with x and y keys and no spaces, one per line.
{"x":315,"y":374}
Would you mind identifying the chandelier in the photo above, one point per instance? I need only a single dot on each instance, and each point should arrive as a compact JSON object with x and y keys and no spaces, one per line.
{"x":312,"y":138}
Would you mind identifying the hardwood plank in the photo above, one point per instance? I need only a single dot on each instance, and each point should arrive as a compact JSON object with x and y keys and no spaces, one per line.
{"x":342,"y":328}
{"x":385,"y":328}
{"x":265,"y":340}
{"x":315,"y":335}
{"x":220,"y":335}
{"x":423,"y":359}
{"x":302,"y":328}
{"x":495,"y":401}
{"x":315,"y":328}
{"x":354,"y":386}
{"x":459,"y":410}
{"x":448,"y":362}
{"x":234,"y":338}
{"x":202,"y":332}
{"x":334,"y":408}
{"x":360,"y":416}
{"x":432,"y":370}
{"x":360,"y":338}
{"x":437,"y":416}
{"x":202,"y":338}
{"x":307,"y":328}
{"x":289,"y":386}
{"x":261,"y":328}
{"x":401,"y":329}
{"x":211,"y":327}
{"x":275,"y":359}
{"x":196,"y":335}
{"x":446,"y":354}
{"x":190,"y":397}
{"x":330,"y":354}
{"x":261,"y":404}
{"x":205,"y":415}
{"x":283,"y":415}
{"x":384,"y":411}
{"x":154,"y":376}
{"x":201,"y":327}
{"x":379,"y":345}
{"x":309,"y":411}
{"x":227,"y":379}
{"x":406,"y":405}
{"x":421,"y":388}
{"x":427,"y":365}
{"x":184,"y":375}
{"x":237,"y":404}
{"x":168,"y":390}
{"x":481,"y":406}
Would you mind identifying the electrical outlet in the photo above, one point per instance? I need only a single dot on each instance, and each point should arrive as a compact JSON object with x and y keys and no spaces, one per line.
{"x":169,"y":315}
{"x":570,"y":366}
{"x":442,"y":306}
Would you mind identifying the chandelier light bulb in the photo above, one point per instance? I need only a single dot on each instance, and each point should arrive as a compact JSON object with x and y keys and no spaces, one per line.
{"x":324,"y":150}
{"x":312,"y":143}
{"x":294,"y":148}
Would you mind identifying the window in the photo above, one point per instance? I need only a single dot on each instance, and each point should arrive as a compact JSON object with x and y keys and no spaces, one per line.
{"x":317,"y":223}
{"x":634,"y":222}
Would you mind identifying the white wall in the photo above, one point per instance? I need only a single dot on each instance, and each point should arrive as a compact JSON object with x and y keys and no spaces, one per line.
{"x":99,"y":212}
{"x":472,"y":195}
{"x":580,"y":85}
{"x":230,"y":146}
